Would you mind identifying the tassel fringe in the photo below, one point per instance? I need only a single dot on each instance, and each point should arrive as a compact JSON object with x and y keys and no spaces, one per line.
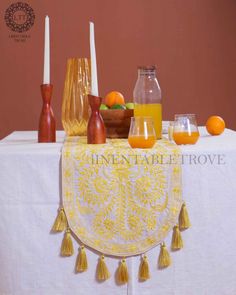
{"x":177,"y":242}
{"x":102,"y":270}
{"x":164,"y":259}
{"x":184,"y":221}
{"x":122,"y":272}
{"x":60,"y":222}
{"x":144,"y":273}
{"x":82,"y":263}
{"x":67,"y":244}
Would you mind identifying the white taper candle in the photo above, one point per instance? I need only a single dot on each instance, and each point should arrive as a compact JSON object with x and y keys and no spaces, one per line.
{"x":94,"y":79}
{"x":46,"y":72}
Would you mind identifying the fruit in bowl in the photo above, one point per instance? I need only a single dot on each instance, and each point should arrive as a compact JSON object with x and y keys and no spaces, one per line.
{"x":116,"y":115}
{"x":103,"y":107}
{"x":129,"y":105}
{"x":113,"y":98}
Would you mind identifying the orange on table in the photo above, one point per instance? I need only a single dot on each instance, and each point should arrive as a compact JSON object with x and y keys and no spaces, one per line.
{"x":114,"y":97}
{"x":215,"y":125}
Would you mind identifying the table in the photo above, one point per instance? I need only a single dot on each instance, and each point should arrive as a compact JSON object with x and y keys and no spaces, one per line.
{"x":29,"y":198}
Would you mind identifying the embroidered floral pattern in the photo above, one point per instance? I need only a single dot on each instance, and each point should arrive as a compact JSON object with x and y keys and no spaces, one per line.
{"x":120,"y":201}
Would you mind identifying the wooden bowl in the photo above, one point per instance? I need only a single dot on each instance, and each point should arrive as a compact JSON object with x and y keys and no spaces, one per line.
{"x":117,"y":122}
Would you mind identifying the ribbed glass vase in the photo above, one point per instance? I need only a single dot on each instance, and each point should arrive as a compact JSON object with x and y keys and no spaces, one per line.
{"x":75,"y":106}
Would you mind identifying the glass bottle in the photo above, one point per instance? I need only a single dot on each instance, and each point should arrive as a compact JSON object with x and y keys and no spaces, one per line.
{"x":147,"y":97}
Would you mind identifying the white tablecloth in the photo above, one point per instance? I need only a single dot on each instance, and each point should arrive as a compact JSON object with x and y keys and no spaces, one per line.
{"x":29,"y":198}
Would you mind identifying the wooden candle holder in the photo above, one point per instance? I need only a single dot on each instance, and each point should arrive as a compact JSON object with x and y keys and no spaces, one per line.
{"x":96,"y":132}
{"x":47,"y":124}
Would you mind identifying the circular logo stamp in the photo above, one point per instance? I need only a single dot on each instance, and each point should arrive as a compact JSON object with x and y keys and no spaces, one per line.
{"x":19,"y":17}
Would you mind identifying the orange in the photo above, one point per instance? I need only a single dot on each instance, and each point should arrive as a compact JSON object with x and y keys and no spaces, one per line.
{"x":114,"y":97}
{"x":215,"y":125}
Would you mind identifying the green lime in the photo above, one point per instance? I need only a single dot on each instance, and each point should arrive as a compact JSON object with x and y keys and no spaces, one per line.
{"x":129,"y":105}
{"x":103,"y":107}
{"x":118,"y":107}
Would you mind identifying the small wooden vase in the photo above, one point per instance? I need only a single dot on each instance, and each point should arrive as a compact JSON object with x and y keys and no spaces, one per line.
{"x":96,"y":132}
{"x":47,"y":124}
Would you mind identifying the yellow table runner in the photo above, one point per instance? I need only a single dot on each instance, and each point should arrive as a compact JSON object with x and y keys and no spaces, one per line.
{"x":121,"y":201}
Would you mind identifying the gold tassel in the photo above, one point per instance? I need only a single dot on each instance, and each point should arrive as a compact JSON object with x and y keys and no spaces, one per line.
{"x":102,"y":270}
{"x":164,"y":259}
{"x":67,"y":244}
{"x":144,"y":273}
{"x":60,"y":223}
{"x":184,"y":221}
{"x":122,"y":272}
{"x":82,"y":263}
{"x":177,"y":242}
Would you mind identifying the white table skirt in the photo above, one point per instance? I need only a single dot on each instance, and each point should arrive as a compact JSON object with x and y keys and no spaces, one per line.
{"x":29,"y":255}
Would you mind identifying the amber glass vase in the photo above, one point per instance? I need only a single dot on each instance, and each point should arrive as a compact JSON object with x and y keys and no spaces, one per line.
{"x":75,"y":106}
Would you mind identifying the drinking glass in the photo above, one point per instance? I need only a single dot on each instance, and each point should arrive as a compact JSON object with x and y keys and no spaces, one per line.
{"x":75,"y":106}
{"x":170,"y":130}
{"x":185,"y":129}
{"x":142,"y":132}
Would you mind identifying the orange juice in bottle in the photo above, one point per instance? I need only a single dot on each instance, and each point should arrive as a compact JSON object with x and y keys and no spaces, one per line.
{"x":147,"y":97}
{"x":152,"y":110}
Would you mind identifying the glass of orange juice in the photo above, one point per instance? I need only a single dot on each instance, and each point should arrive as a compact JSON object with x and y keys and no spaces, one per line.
{"x":142,"y":133}
{"x":185,"y":129}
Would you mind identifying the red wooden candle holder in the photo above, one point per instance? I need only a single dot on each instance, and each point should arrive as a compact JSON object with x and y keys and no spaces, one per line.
{"x":96,"y":132}
{"x":47,"y":124}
